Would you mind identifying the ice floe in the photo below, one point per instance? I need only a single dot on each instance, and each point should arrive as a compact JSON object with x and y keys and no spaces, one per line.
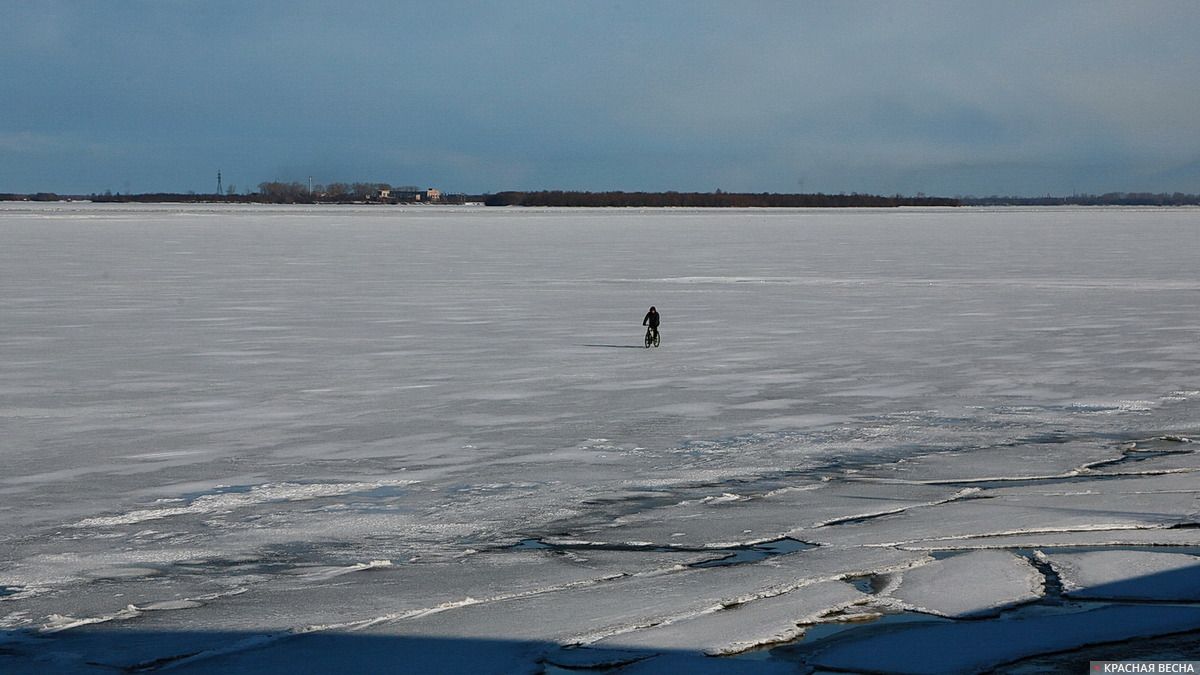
{"x":757,"y":623}
{"x":970,"y":584}
{"x":1129,"y":575}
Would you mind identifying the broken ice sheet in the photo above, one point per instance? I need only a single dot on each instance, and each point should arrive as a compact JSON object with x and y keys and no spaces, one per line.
{"x":838,"y":562}
{"x":419,"y":362}
{"x":722,"y":522}
{"x":971,"y":584}
{"x":1129,"y":575}
{"x":1155,"y":536}
{"x":635,"y":562}
{"x":287,"y":602}
{"x":585,"y":614}
{"x":1013,"y":462}
{"x":752,"y":624}
{"x":1161,"y":458}
{"x":1051,"y":506}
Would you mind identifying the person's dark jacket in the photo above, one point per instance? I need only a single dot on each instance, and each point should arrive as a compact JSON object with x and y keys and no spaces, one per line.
{"x":651,"y":319}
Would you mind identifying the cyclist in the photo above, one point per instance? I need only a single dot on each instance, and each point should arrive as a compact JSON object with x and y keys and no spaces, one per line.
{"x":651,"y":320}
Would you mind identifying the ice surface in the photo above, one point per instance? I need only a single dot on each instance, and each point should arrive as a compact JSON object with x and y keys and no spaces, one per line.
{"x":229,"y":501}
{"x":584,"y":614}
{"x":1189,"y":536}
{"x":741,"y":627}
{"x":1017,"y":462}
{"x":970,"y":584}
{"x":730,"y":518}
{"x":1050,"y":506}
{"x":234,"y":435}
{"x":1129,"y":575}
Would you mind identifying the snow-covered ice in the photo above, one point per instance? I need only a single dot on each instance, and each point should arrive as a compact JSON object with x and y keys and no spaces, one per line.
{"x":982,"y":582}
{"x":1129,"y":575}
{"x":247,"y":438}
{"x":753,"y":624}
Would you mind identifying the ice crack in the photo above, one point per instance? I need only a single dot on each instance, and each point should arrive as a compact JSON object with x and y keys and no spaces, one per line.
{"x":733,"y":555}
{"x":966,"y":493}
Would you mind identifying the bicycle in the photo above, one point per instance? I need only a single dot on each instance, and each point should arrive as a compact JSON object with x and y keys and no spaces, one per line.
{"x":652,"y":337}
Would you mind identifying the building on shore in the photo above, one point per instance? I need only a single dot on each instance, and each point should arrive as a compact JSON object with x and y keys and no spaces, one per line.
{"x":401,"y":195}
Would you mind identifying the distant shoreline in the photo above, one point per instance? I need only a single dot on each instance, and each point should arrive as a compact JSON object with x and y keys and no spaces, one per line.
{"x":717,"y":199}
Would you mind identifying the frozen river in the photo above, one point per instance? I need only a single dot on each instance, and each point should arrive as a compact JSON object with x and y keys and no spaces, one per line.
{"x":240,"y":438}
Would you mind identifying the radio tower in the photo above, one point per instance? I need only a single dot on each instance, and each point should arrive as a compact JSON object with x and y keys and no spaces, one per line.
{"x":218,"y":182}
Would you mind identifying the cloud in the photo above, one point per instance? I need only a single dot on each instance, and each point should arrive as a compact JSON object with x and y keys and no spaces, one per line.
{"x":26,"y":142}
{"x":870,"y":96}
{"x":37,"y":144}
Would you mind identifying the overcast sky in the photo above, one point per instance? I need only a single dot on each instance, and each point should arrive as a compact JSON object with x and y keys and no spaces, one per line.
{"x":946,"y":98}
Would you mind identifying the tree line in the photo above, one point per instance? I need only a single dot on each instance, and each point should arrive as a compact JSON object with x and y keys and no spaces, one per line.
{"x":1106,"y":199}
{"x":272,"y":192}
{"x":299,"y":193}
{"x":706,"y":199}
{"x":357,"y":193}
